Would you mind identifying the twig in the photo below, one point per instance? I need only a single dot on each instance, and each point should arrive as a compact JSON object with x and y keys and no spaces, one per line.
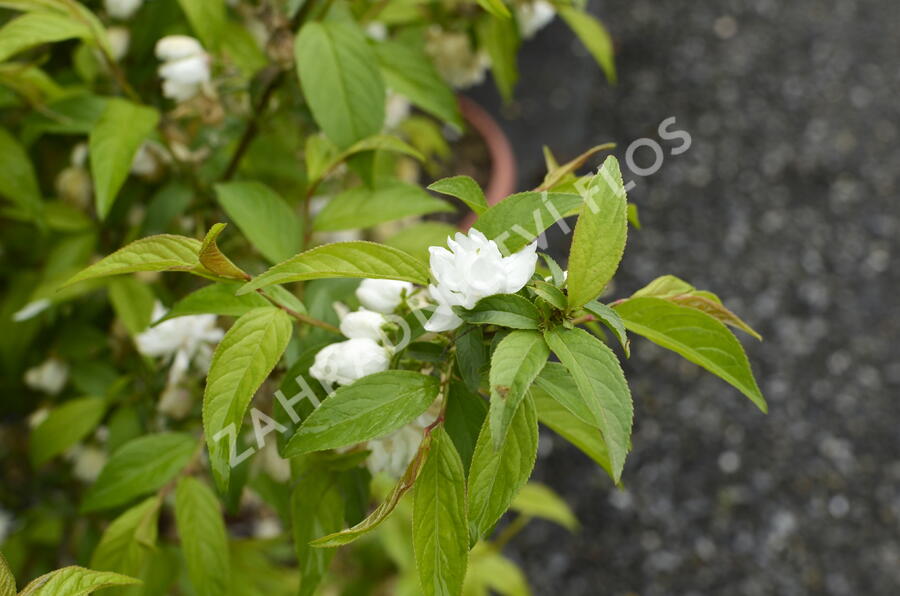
{"x":300,"y":316}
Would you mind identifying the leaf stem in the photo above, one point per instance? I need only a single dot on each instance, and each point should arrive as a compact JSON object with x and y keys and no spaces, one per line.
{"x":300,"y":316}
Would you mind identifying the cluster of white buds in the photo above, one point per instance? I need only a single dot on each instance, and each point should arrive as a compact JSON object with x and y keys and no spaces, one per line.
{"x":185,"y":68}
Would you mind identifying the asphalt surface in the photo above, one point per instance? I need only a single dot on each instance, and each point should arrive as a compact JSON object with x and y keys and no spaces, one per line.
{"x":787,"y":205}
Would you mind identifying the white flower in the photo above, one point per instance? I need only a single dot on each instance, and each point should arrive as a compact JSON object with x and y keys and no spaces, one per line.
{"x":149,"y":159}
{"x":377,"y":30}
{"x":88,"y":462}
{"x":185,"y":67}
{"x":382,"y":295}
{"x":363,"y":324}
{"x":344,"y":362}
{"x":473,"y":269}
{"x":534,"y":16}
{"x":392,"y":454}
{"x":50,"y":376}
{"x":184,"y":340}
{"x":455,"y":59}
{"x":122,"y":9}
{"x":396,"y":110}
{"x":119,"y":41}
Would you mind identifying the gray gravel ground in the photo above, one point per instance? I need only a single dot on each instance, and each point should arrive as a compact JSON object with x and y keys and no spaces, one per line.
{"x":787,"y":206}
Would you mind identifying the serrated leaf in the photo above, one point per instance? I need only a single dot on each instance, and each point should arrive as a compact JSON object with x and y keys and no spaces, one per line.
{"x":557,"y":174}
{"x":601,"y":385}
{"x":516,"y":362}
{"x":440,"y":533}
{"x":242,"y":361}
{"x":664,"y":286}
{"x":495,"y":476}
{"x":127,"y":540}
{"x":499,"y":36}
{"x":139,"y":467}
{"x":611,"y":319}
{"x":341,"y":81}
{"x":75,"y":581}
{"x":599,"y":239}
{"x":133,"y":302}
{"x":214,"y":260}
{"x":7,"y":581}
{"x":316,"y":508}
{"x":344,"y":259}
{"x":384,"y":510}
{"x":549,"y":293}
{"x":594,"y":36}
{"x":519,"y":219}
{"x":463,"y":419}
{"x":363,"y":207}
{"x":204,"y":539}
{"x":215,"y":299}
{"x":490,"y":571}
{"x":164,"y":252}
{"x":408,"y":71}
{"x":506,"y":310}
{"x":715,"y":309}
{"x":463,"y":188}
{"x":19,"y":182}
{"x":35,"y":28}
{"x":539,"y":500}
{"x":113,"y":142}
{"x":585,"y":437}
{"x":471,"y":356}
{"x":371,"y":407}
{"x":64,"y":426}
{"x":263,"y":216}
{"x":696,"y":336}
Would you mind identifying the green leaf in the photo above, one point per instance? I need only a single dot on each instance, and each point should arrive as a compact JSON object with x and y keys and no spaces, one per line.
{"x":584,"y":436}
{"x":601,"y":385}
{"x":714,"y":308}
{"x":599,"y":238}
{"x":75,"y":581}
{"x":556,"y":272}
{"x":263,"y":216}
{"x":518,"y":359}
{"x":129,"y":539}
{"x":519,"y":219}
{"x":489,"y":571}
{"x":164,"y":252}
{"x":471,"y":356}
{"x":113,"y":142}
{"x":463,"y":419}
{"x":440,"y":534}
{"x":214,"y":260}
{"x":538,"y":500}
{"x":344,"y":259}
{"x":665,"y":286}
{"x":549,"y":293}
{"x":594,"y":36}
{"x":341,"y":81}
{"x":18,"y":183}
{"x":215,"y":299}
{"x":7,"y":581}
{"x":371,"y":407}
{"x":463,"y":188}
{"x":242,"y":361}
{"x":695,"y":335}
{"x":363,"y":207}
{"x":611,"y":319}
{"x":35,"y":28}
{"x":408,"y":71}
{"x":557,"y":174}
{"x":65,"y":426}
{"x":496,"y":476}
{"x":507,"y":310}
{"x":500,"y":38}
{"x":417,"y":238}
{"x":204,"y":539}
{"x":141,"y":466}
{"x":133,"y":302}
{"x":208,"y":19}
{"x":316,"y":508}
{"x":496,"y":8}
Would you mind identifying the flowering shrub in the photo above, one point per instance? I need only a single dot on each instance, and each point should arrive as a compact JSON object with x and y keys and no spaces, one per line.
{"x":333,"y":352}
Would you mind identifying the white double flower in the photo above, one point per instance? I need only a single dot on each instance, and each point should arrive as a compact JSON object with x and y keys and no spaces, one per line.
{"x":185,"y":68}
{"x":473,"y":269}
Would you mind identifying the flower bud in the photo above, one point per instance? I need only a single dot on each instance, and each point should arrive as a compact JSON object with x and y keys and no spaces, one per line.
{"x":122,"y":9}
{"x":49,"y":377}
{"x":346,"y":361}
{"x":363,"y":324}
{"x":382,"y":295}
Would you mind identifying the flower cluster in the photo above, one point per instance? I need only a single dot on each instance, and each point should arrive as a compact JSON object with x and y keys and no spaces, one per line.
{"x":473,"y":269}
{"x":185,"y":68}
{"x":455,"y":59}
{"x":364,"y":352}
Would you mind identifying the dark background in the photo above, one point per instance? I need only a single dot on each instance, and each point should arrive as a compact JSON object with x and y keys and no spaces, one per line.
{"x":786,"y":205}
